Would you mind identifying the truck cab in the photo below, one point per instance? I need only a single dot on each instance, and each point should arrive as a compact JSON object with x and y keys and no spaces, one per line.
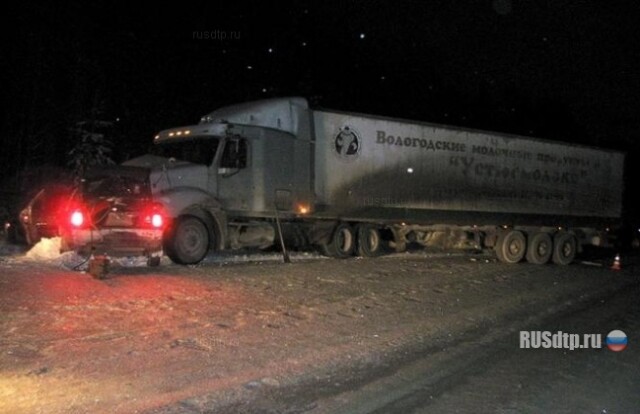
{"x":220,"y":181}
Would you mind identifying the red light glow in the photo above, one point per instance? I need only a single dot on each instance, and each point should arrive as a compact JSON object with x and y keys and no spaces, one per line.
{"x":157,"y":220}
{"x":77,"y":218}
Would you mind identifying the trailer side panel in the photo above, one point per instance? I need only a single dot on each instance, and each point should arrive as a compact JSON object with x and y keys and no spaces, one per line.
{"x":372,"y":164}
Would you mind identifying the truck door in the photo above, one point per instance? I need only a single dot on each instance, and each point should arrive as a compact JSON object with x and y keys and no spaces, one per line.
{"x":234,"y":179}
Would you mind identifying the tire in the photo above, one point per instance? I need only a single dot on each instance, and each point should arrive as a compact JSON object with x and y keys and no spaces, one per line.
{"x":369,"y":240}
{"x":539,"y":248}
{"x":511,"y":246}
{"x":564,"y":248}
{"x":342,"y":243}
{"x":187,"y":242}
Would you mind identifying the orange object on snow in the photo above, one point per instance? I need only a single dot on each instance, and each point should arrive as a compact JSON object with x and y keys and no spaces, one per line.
{"x":616,"y":263}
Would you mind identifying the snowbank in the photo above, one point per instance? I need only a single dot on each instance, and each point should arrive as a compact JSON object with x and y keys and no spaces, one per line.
{"x":45,"y":249}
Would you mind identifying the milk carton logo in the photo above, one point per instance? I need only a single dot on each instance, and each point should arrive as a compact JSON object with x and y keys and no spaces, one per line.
{"x":347,"y":143}
{"x":616,"y":341}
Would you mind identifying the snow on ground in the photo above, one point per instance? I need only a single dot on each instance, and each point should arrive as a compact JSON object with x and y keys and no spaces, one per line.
{"x":230,"y":338}
{"x":252,"y":255}
{"x":47,"y":251}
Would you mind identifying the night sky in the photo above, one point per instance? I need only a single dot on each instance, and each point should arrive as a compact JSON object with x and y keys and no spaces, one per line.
{"x":562,"y":70}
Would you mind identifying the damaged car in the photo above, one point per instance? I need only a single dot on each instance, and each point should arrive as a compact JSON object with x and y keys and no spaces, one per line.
{"x":110,"y":211}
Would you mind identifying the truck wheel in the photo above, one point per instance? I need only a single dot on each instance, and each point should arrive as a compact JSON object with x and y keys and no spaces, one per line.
{"x":342,"y":242}
{"x":369,"y":240}
{"x":564,"y":248}
{"x":511,"y":246}
{"x":540,"y":248}
{"x":188,"y":240}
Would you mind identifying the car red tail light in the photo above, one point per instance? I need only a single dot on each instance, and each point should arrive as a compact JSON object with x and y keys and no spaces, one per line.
{"x":153,"y":216}
{"x":77,"y":218}
{"x":157,"y":220}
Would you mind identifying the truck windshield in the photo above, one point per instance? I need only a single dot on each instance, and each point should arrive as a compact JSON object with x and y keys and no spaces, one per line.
{"x":195,"y":150}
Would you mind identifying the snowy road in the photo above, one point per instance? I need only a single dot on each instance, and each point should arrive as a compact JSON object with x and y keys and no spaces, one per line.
{"x":489,"y":373}
{"x":412,"y":332}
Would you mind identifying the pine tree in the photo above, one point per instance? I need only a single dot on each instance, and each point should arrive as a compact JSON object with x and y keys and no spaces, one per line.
{"x":93,"y":145}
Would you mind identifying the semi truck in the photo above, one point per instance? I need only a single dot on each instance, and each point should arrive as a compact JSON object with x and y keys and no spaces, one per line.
{"x":276,"y":171}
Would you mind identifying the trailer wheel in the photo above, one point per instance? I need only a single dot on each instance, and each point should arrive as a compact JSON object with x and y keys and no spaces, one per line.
{"x":187,"y":242}
{"x":342,"y":242}
{"x":369,"y":240}
{"x":564,"y":248}
{"x":539,"y":248}
{"x":511,"y":246}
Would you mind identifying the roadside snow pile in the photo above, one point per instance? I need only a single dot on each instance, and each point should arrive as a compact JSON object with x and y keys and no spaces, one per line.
{"x":48,"y":251}
{"x":45,"y":249}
